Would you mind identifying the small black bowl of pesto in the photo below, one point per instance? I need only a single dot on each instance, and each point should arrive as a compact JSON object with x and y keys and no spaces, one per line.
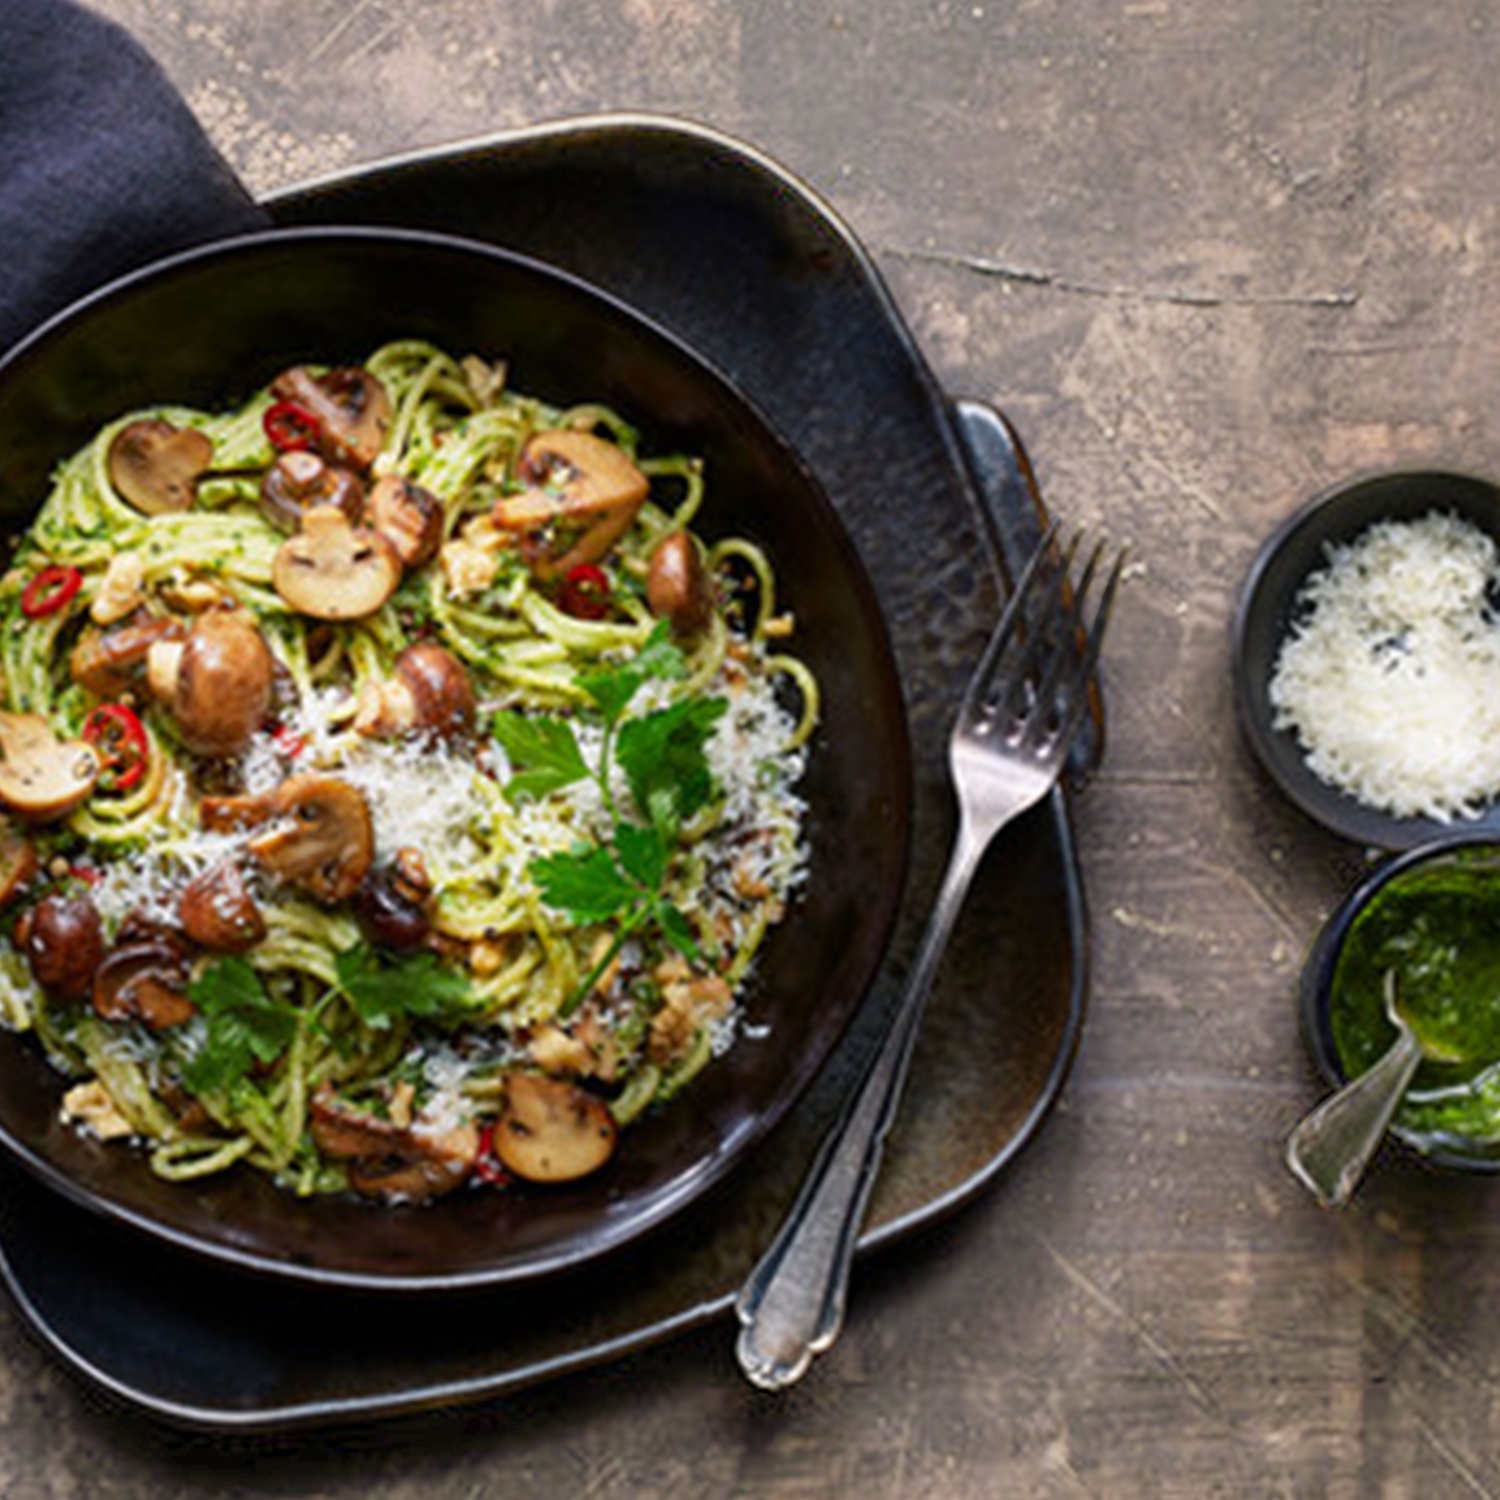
{"x":1425,"y":926}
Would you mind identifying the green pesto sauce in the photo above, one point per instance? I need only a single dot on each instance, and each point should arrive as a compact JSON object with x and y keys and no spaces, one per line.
{"x":1437,"y":928}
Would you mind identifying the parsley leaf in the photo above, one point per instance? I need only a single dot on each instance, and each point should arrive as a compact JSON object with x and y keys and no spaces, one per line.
{"x":586,"y":883}
{"x":243,"y":1025}
{"x":613,"y":687}
{"x":547,"y":749}
{"x":414,"y":984}
{"x":662,"y":755}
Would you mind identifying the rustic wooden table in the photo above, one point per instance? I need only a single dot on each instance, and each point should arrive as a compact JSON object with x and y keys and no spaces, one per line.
{"x":1209,"y":259}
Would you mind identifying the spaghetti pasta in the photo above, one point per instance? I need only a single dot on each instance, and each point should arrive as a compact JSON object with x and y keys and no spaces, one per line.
{"x":439,"y":792}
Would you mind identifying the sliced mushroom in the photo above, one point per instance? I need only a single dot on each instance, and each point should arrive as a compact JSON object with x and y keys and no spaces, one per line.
{"x":550,"y":1130}
{"x":429,"y":1167}
{"x":300,"y":480}
{"x":428,"y":693}
{"x":390,"y":1161}
{"x":334,"y":571}
{"x":63,"y":940}
{"x":156,"y":466}
{"x":408,"y":516}
{"x":218,"y":912}
{"x":145,"y":981}
{"x":351,"y":406}
{"x":109,"y":663}
{"x":677,"y":584}
{"x":322,"y":838}
{"x":41,"y":776}
{"x":217,"y":683}
{"x":581,"y":495}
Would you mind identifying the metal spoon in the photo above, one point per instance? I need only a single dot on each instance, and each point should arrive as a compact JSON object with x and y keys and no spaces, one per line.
{"x":1330,"y":1149}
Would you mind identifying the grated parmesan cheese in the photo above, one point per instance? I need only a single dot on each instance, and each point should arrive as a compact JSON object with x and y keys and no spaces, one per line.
{"x":1390,"y":677}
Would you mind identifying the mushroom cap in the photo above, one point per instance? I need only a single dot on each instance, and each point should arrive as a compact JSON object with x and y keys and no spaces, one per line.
{"x":300,"y":480}
{"x":108,"y":662}
{"x":677,"y":584}
{"x":409,"y":517}
{"x":41,"y":776}
{"x":63,"y":939}
{"x":551,"y":1130}
{"x":334,"y":571}
{"x":143,"y":981}
{"x":322,"y":838}
{"x":573,"y":479}
{"x":350,"y":404}
{"x":389,"y":1161}
{"x":218,"y":912}
{"x":156,"y":466}
{"x":222,"y":683}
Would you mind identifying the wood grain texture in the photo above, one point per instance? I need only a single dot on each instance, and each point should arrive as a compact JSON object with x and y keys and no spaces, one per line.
{"x":1210,"y":260}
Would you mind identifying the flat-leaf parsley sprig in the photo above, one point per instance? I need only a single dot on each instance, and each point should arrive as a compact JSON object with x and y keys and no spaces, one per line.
{"x":245,"y":1024}
{"x":661,"y":754}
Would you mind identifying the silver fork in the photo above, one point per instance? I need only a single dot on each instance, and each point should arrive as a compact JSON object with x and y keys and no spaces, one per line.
{"x":1020,"y":713}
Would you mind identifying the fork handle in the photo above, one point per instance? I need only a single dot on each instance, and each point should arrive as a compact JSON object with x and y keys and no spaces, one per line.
{"x":792,"y":1304}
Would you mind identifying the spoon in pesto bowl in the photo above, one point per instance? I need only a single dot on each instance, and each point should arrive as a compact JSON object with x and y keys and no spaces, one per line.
{"x":1407,"y":973}
{"x":1330,"y":1149}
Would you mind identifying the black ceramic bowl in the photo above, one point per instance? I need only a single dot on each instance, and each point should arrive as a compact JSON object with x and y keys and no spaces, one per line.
{"x":208,"y":328}
{"x":1266,"y":611}
{"x":1441,"y":1148}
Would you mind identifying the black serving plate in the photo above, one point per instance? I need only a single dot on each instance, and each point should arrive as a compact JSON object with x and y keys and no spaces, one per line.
{"x":743,"y":263}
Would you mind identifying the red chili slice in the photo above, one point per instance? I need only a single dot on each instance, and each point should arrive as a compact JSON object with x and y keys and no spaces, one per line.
{"x":290,"y":427}
{"x":288,"y":742}
{"x":120,"y":739}
{"x":487,"y":1166}
{"x":51,"y":590}
{"x":585,"y":592}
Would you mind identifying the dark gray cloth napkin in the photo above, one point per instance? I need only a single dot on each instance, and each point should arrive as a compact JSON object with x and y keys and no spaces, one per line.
{"x":103,"y":167}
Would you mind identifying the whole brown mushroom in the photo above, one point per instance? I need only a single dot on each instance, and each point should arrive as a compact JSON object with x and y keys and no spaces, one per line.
{"x":298,"y":481}
{"x":63,"y":939}
{"x":677,"y":584}
{"x":218,"y":912}
{"x":217,"y":683}
{"x":429,"y":692}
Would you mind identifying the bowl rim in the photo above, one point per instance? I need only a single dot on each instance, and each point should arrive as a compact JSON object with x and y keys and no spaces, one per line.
{"x":1315,"y":988}
{"x":715,"y":1161}
{"x":1275,"y":750}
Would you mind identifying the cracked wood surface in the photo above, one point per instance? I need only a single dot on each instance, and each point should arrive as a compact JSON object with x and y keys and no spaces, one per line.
{"x":1210,"y":260}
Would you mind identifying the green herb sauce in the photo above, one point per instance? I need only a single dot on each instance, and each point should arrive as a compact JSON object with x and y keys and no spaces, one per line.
{"x":1437,"y":928}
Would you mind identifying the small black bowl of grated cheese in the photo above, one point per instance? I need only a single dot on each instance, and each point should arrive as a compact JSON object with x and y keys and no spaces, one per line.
{"x":1367,"y":658}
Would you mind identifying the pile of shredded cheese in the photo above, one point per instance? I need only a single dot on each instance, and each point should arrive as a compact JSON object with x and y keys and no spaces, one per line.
{"x":1390,"y":676}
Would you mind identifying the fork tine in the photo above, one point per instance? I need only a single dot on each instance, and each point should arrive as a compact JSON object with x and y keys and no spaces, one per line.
{"x":1063,"y":639}
{"x":1071,"y":697}
{"x":1004,"y":681}
{"x":1012,"y":629}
